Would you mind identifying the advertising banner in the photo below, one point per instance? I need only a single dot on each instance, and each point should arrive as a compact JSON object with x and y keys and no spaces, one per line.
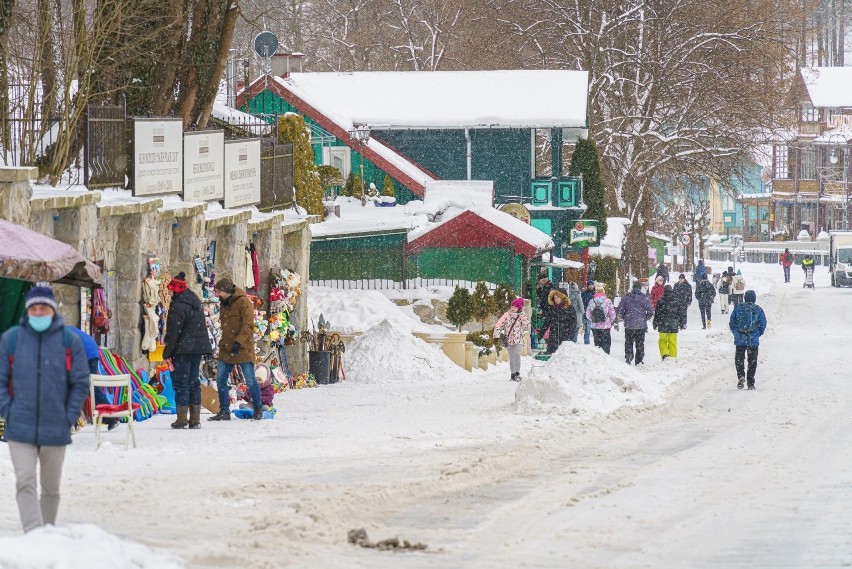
{"x":157,"y":156}
{"x":584,"y":233}
{"x":242,"y":173}
{"x":204,"y":166}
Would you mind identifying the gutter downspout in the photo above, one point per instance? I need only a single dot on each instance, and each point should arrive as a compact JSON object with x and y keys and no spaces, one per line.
{"x":469,"y":154}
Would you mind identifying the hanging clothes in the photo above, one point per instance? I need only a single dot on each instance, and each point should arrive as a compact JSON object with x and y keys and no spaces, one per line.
{"x":255,"y":265}
{"x":249,"y":270}
{"x":150,"y":301}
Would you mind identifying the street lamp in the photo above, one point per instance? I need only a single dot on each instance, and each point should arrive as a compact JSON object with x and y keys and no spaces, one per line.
{"x":362,"y":135}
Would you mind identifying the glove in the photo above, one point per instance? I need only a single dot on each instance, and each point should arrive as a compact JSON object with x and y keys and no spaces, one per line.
{"x":235,"y":349}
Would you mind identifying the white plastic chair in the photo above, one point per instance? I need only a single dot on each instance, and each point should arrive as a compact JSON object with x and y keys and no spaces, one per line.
{"x":117,"y":411}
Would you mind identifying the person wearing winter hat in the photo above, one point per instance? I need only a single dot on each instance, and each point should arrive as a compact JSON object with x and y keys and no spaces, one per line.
{"x":635,"y":310}
{"x":683,"y":293}
{"x":44,"y":380}
{"x":747,"y":323}
{"x":667,"y":323}
{"x":510,"y":327}
{"x":587,"y":297}
{"x":657,"y":290}
{"x":187,"y":342}
{"x":560,"y":320}
{"x":601,"y":314}
{"x":236,"y":347}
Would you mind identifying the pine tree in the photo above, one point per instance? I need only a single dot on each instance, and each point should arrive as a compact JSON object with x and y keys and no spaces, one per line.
{"x":349,"y":186}
{"x":460,"y":307}
{"x":306,"y":179}
{"x":358,"y":187}
{"x":503,"y":297}
{"x":586,"y":163}
{"x":483,"y":303}
{"x":387,"y":187}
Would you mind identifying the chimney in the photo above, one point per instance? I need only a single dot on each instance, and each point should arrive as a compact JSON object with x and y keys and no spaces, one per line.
{"x":283,"y":64}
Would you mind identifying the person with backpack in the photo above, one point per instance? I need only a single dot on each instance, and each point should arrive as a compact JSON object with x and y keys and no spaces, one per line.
{"x":587,"y":296}
{"x":657,"y":291}
{"x":724,"y":291}
{"x":635,"y":310}
{"x":667,"y":323}
{"x":601,"y":315}
{"x":738,"y":287}
{"x":44,"y":380}
{"x":683,"y":293}
{"x":663,"y":271}
{"x":560,"y":320}
{"x":700,"y":271}
{"x":579,"y":307}
{"x":510,"y":330}
{"x":705,"y":294}
{"x":747,"y":323}
{"x":786,"y":261}
{"x":186,"y":342}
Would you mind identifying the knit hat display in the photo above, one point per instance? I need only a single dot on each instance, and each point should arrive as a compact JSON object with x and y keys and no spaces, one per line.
{"x":41,"y":295}
{"x":225,"y":285}
{"x":178,"y":284}
{"x":518,"y":303}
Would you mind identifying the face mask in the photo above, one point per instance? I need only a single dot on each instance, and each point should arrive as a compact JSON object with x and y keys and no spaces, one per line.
{"x":40,"y":323}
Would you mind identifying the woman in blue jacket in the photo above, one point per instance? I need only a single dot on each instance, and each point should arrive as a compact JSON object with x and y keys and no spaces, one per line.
{"x":44,"y":380}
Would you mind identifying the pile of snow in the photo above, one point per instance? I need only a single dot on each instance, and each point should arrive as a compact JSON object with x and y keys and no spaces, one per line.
{"x":581,"y":378}
{"x":611,"y":243}
{"x":823,"y":236}
{"x":81,"y":546}
{"x":353,"y":311}
{"x":803,"y":235}
{"x":440,"y":195}
{"x":388,"y":354}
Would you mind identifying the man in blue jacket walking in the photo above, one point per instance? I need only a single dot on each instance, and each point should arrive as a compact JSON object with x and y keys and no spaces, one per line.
{"x":748,"y":323}
{"x":44,"y":380}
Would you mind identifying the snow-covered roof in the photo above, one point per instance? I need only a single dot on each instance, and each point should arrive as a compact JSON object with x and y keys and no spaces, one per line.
{"x":447,"y":99}
{"x":357,"y":219}
{"x":611,"y":242}
{"x":829,"y":86}
{"x":462,"y":194}
{"x":659,"y":236}
{"x":839,"y":135}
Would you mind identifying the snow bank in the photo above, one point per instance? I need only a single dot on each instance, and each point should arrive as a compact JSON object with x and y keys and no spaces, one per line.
{"x":353,"y":311}
{"x":581,"y":378}
{"x":80,"y":546}
{"x":388,"y":354}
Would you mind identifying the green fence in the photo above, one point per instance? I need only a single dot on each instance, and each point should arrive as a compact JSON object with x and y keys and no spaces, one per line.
{"x":458,"y":266}
{"x":359,"y":261}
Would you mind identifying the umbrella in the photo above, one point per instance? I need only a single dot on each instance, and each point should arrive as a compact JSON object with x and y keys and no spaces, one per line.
{"x":27,"y":255}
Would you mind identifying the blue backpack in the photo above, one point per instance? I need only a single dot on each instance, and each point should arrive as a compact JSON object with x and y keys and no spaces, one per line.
{"x":746,"y":319}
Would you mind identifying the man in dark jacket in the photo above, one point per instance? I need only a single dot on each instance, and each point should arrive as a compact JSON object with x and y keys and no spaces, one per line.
{"x":635,"y":310}
{"x":786,"y":261}
{"x":186,"y":343}
{"x":683,"y":293}
{"x":44,"y":380}
{"x":542,"y":291}
{"x":663,"y":271}
{"x":747,"y":323}
{"x":704,"y":294}
{"x":667,"y":323}
{"x":560,"y":320}
{"x":587,"y":297}
{"x":236,"y":347}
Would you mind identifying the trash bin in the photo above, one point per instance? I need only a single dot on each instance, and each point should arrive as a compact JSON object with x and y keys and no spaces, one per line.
{"x":319,"y":364}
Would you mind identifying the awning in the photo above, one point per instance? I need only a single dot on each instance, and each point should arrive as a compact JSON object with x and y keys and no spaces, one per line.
{"x":27,"y":255}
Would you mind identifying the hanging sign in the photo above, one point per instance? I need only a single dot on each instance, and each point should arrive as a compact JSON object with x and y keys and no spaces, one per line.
{"x":242,"y":173}
{"x":157,"y":156}
{"x":203,"y":166}
{"x":584,"y":233}
{"x":518,"y":211}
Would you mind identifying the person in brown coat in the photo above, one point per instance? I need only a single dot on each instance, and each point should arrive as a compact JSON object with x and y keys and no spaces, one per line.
{"x":236,"y":346}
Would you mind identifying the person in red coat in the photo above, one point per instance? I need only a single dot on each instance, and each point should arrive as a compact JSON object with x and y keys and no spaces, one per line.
{"x":786,"y":261}
{"x":657,"y":291}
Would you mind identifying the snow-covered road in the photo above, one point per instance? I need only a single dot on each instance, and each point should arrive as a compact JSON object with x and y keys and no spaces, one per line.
{"x":714,"y":477}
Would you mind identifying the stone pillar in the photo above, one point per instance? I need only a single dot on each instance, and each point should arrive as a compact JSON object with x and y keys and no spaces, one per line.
{"x":189,"y":240}
{"x":296,"y":256}
{"x":231,"y":234}
{"x":15,"y":193}
{"x":265,"y":233}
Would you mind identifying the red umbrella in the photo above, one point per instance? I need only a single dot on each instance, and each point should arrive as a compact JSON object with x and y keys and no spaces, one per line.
{"x":27,"y":255}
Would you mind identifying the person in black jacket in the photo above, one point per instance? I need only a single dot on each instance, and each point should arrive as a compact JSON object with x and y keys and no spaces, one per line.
{"x":560,"y":319}
{"x":587,"y":296}
{"x":667,"y":322}
{"x":186,"y":343}
{"x":683,"y":293}
{"x":542,"y":291}
{"x":704,"y":294}
{"x":663,"y":271}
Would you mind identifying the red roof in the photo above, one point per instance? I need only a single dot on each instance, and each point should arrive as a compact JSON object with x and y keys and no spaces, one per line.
{"x":468,"y":230}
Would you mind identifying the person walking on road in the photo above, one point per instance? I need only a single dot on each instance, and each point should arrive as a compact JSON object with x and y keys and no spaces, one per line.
{"x":667,"y":323}
{"x":657,"y":291}
{"x":700,"y":271}
{"x":560,"y":320}
{"x":601,"y":314}
{"x":683,"y":293}
{"x":786,"y":261}
{"x":579,"y":307}
{"x":511,"y":328}
{"x":738,"y":288}
{"x":587,"y":296}
{"x":186,"y":343}
{"x":747,"y":323}
{"x":724,"y":291}
{"x":44,"y":380}
{"x":663,"y":271}
{"x":236,"y":348}
{"x":635,"y":310}
{"x":705,"y":294}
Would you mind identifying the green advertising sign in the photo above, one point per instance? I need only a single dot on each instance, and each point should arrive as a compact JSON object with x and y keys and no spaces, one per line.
{"x":584,"y":233}
{"x":729,"y":219}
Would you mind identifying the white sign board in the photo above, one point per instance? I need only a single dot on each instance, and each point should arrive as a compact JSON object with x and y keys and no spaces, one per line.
{"x":157,"y":156}
{"x":242,"y":173}
{"x":204,"y":166}
{"x":673,"y":250}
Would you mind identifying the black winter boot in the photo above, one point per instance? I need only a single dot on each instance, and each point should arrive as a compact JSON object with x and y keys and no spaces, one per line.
{"x":181,"y":421}
{"x":258,"y":415}
{"x":220,"y":416}
{"x":195,"y":417}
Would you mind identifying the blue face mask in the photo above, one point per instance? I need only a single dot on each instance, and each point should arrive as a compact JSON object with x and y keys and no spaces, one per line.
{"x":40,"y":323}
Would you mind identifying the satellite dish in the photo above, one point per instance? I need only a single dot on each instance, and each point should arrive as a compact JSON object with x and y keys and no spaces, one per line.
{"x":265,"y":44}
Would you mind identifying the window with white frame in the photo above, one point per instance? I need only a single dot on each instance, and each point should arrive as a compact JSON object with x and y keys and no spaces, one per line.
{"x":781,"y":160}
{"x":809,"y":113}
{"x":807,"y":162}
